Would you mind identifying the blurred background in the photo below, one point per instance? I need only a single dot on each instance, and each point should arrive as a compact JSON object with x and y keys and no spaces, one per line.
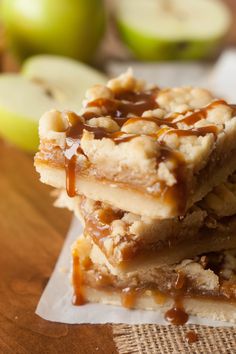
{"x":104,"y":17}
{"x":52,"y":50}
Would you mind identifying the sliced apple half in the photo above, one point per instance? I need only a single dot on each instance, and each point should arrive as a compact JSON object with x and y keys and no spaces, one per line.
{"x":66,"y":80}
{"x":49,"y":82}
{"x":172,"y":29}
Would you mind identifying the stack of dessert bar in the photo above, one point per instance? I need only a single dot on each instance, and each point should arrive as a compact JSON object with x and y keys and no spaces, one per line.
{"x":150,"y":174}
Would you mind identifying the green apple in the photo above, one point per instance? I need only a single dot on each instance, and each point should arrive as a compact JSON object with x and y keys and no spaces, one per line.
{"x":65,"y":79}
{"x":48,"y":82}
{"x":70,"y":28}
{"x":172,"y":29}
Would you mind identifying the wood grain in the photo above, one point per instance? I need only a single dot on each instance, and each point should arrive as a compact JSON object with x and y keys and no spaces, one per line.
{"x":31,"y":235}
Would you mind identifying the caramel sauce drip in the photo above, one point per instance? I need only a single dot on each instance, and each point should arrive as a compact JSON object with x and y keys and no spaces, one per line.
{"x":128,"y":297}
{"x":125,"y":103}
{"x":99,"y":226}
{"x":70,"y":165}
{"x":177,"y":315}
{"x":73,"y":137}
{"x":202,"y":131}
{"x":75,"y":132}
{"x":196,"y":116}
{"x":89,"y":115}
{"x":180,"y":281}
{"x":159,"y":297}
{"x":191,"y":337}
{"x":77,"y":280}
{"x":189,"y":120}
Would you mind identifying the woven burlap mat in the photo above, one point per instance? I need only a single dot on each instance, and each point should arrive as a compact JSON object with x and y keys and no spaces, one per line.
{"x":157,"y":339}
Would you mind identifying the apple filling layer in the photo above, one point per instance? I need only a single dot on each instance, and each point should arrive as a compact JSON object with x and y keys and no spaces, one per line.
{"x":150,"y":151}
{"x":206,"y":279}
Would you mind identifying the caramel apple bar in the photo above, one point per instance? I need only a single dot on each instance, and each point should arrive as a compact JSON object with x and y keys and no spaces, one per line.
{"x":130,"y":241}
{"x":204,"y":285}
{"x":149,"y":151}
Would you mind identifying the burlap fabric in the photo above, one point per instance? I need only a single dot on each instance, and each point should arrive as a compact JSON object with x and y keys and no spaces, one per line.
{"x":155,"y":339}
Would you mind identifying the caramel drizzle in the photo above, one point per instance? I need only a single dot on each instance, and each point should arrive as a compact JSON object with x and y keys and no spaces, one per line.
{"x":202,"y":131}
{"x":190,"y":119}
{"x":129,"y":297}
{"x":191,"y":337}
{"x":135,"y":103}
{"x":70,"y":165}
{"x":99,"y":226}
{"x":77,"y":279}
{"x":127,"y":102}
{"x":176,"y":315}
{"x":195,"y":117}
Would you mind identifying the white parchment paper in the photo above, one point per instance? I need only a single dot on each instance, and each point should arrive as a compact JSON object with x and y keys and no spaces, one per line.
{"x":56,"y":301}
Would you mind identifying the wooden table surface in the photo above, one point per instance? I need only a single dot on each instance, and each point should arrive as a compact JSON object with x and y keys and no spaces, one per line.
{"x":32,"y":232}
